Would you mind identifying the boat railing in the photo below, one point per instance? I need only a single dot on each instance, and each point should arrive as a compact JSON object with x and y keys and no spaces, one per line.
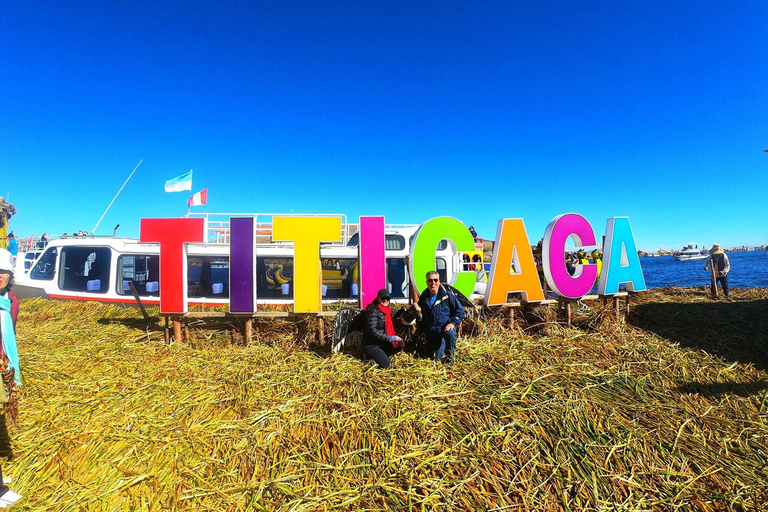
{"x":397,"y":227}
{"x":217,"y":225}
{"x":36,"y":243}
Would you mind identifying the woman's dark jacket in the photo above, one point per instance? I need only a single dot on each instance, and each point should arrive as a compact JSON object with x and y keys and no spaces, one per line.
{"x":374,"y":331}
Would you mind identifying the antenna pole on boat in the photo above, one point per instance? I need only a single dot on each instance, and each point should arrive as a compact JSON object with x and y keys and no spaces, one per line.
{"x":93,"y":231}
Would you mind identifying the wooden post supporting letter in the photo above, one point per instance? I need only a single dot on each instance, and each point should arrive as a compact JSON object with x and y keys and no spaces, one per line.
{"x":511,"y":317}
{"x":248,"y":330}
{"x":177,"y":329}
{"x":320,"y":331}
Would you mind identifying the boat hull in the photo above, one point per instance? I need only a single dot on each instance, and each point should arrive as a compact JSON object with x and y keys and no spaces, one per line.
{"x":691,"y":257}
{"x":24,"y":291}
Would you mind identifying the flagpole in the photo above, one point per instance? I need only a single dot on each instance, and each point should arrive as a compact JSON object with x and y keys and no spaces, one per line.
{"x":93,"y":231}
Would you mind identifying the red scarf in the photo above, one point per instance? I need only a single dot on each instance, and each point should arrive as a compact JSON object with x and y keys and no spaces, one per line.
{"x":389,"y":327}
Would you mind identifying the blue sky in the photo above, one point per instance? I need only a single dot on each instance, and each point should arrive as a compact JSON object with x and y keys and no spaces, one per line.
{"x":478,"y":110}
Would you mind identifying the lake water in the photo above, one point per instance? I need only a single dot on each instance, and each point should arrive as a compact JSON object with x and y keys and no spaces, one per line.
{"x":748,"y":269}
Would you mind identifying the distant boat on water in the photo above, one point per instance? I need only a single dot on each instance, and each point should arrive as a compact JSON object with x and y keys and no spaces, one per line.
{"x":689,"y":252}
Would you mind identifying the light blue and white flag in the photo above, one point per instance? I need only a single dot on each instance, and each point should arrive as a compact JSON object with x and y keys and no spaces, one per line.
{"x":179,"y":183}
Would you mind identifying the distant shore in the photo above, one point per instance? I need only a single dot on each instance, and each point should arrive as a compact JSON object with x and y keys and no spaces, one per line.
{"x":743,"y":248}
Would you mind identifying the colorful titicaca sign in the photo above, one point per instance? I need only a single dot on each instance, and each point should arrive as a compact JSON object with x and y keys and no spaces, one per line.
{"x":513,"y":269}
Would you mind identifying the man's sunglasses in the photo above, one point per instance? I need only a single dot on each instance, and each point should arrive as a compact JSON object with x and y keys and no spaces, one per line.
{"x":433,"y":280}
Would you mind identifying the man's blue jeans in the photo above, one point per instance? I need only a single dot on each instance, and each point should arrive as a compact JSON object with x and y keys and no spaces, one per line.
{"x":442,"y":344}
{"x":724,"y":282}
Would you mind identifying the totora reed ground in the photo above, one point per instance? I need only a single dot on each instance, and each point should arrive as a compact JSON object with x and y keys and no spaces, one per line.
{"x":666,"y":412}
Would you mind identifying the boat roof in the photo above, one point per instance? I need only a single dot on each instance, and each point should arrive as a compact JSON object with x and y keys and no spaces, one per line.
{"x":217,"y":230}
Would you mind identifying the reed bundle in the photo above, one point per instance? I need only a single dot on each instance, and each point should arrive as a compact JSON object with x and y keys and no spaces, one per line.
{"x":598,"y":416}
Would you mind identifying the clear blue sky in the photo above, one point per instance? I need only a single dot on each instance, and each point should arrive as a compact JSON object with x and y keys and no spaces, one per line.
{"x":655,"y":110}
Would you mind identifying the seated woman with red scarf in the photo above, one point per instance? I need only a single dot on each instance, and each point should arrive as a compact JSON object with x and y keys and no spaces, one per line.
{"x":379,"y":338}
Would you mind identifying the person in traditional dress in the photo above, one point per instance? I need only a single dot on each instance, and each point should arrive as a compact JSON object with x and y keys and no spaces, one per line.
{"x":380,"y":341}
{"x":9,"y":366}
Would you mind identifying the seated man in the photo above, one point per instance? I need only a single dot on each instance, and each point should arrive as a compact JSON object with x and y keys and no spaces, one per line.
{"x":441,"y":314}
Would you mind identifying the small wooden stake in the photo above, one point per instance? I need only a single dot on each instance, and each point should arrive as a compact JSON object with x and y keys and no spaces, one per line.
{"x":511,"y":317}
{"x":167,"y":332}
{"x":568,"y":313}
{"x":616,"y":309}
{"x":138,"y":300}
{"x":713,"y":285}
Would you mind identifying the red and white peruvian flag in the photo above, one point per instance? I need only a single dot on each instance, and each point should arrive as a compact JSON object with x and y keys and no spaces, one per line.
{"x":199,"y":198}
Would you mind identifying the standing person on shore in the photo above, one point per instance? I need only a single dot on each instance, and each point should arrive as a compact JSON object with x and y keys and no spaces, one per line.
{"x":722,"y":265}
{"x":9,"y":367}
{"x":379,"y":338}
{"x":13,"y":245}
{"x":597,"y":260}
{"x":441,"y":314}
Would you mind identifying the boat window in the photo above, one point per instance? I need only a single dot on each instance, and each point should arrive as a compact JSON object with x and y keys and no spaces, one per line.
{"x":85,"y":269}
{"x":441,"y":245}
{"x":141,"y":269}
{"x":44,"y":268}
{"x":339,"y":276}
{"x":394,"y":242}
{"x":396,"y":278}
{"x":274,"y":277}
{"x":208,"y":276}
{"x":29,"y":260}
{"x":440,"y":266}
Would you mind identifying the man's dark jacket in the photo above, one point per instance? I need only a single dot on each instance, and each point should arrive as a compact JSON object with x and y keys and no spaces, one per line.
{"x":446,"y":309}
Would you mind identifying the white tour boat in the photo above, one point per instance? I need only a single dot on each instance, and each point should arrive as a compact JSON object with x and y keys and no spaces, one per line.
{"x":690,"y":253}
{"x":103,"y":268}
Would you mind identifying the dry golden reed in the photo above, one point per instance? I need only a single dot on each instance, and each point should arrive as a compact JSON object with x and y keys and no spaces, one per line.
{"x":665,"y":412}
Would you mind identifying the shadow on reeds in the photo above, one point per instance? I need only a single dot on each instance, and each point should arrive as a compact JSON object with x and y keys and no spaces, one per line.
{"x":736,"y":331}
{"x":718,"y":389}
{"x":153,"y":323}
